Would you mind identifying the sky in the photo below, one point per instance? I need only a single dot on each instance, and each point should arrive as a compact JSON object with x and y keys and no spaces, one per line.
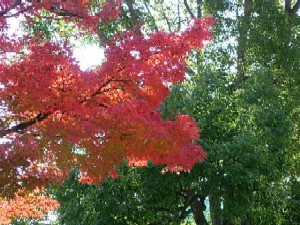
{"x":87,"y":56}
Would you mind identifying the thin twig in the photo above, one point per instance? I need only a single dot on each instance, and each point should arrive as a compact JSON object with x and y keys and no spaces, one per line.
{"x":151,"y":16}
{"x":166,"y":18}
{"x":178,"y":14}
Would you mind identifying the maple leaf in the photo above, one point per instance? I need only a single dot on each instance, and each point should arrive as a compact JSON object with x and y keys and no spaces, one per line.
{"x":26,"y":205}
{"x":60,"y":117}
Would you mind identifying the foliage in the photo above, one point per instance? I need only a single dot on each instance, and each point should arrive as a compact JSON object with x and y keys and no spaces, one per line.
{"x":26,"y":205}
{"x":57,"y":117}
{"x":243,"y":91}
{"x":133,"y":198}
{"x":245,"y":99}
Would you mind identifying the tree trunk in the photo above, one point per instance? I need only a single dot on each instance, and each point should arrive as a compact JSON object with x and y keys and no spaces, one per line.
{"x":199,"y":11}
{"x":289,"y":9}
{"x":134,"y":18}
{"x":197,"y":206}
{"x":198,"y":213}
{"x":287,"y":6}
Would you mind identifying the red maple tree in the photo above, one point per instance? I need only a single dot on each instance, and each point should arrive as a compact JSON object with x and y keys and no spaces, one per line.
{"x":58,"y":117}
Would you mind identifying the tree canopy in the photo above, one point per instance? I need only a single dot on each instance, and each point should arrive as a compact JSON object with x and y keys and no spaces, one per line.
{"x":56,"y":117}
{"x":243,"y":91}
{"x":135,"y":116}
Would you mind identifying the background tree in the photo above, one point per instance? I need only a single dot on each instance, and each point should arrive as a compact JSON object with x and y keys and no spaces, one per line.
{"x":245,"y":99}
{"x":138,"y":196}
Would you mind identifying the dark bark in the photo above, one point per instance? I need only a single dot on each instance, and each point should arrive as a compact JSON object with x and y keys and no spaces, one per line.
{"x":295,"y":8}
{"x":23,"y":126}
{"x":178,"y":15}
{"x":134,"y":18}
{"x":199,"y":11}
{"x":287,"y":6}
{"x":188,"y":9}
{"x":197,"y":210}
{"x":289,"y":9}
{"x":197,"y":205}
{"x":11,"y":12}
{"x":183,"y":210}
{"x":131,"y":10}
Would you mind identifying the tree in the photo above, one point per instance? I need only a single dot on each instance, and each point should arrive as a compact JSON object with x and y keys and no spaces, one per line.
{"x":243,"y":92}
{"x":139,"y":196}
{"x":244,"y":99}
{"x":57,"y":117}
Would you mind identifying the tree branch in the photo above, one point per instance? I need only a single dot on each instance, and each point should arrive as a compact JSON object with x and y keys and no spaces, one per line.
{"x":22,"y":126}
{"x":183,"y":212}
{"x":188,"y":8}
{"x":98,"y":91}
{"x":16,"y":3}
{"x":17,"y":13}
{"x":166,"y":18}
{"x":199,"y":11}
{"x":134,"y":17}
{"x":198,"y":206}
{"x":178,"y":15}
{"x":151,"y":16}
{"x":42,"y":116}
{"x":247,"y":7}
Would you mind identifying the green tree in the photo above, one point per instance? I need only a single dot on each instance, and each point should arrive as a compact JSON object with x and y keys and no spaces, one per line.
{"x":138,"y":196}
{"x":246,"y":101}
